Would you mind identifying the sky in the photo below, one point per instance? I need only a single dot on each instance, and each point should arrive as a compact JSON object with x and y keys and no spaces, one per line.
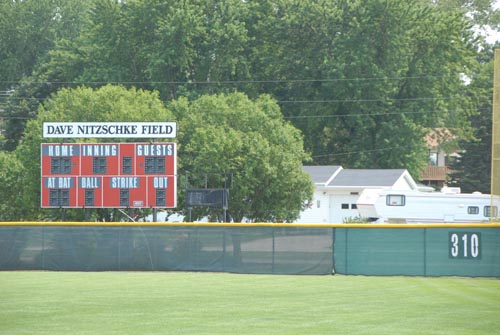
{"x":493,"y":35}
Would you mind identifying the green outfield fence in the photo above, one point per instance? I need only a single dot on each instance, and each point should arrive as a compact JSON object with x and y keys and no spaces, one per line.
{"x":351,"y":249}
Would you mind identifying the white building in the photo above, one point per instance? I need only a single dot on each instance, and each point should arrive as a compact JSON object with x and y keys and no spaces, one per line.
{"x":336,"y":190}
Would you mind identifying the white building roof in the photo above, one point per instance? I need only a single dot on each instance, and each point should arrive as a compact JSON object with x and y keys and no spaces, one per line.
{"x":336,"y":177}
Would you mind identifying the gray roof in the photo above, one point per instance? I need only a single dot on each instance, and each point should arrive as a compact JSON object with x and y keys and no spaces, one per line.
{"x":368,"y":177}
{"x":320,"y":174}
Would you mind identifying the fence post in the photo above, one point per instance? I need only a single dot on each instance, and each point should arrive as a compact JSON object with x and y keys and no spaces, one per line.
{"x":272,"y":264}
{"x":346,"y":250}
{"x":425,"y":252}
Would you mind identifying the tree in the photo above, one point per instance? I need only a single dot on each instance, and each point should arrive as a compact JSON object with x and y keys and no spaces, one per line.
{"x":223,"y":133}
{"x":82,"y":104}
{"x":11,"y":178}
{"x":472,"y":168}
{"x":232,"y":135}
{"x":30,"y":30}
{"x":362,"y":80}
{"x":175,"y":47}
{"x":483,"y":12}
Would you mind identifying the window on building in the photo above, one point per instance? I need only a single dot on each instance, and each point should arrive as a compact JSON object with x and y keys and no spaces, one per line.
{"x":345,"y":206}
{"x":490,"y":211}
{"x":395,"y":200}
{"x":473,"y":210}
{"x":433,"y":158}
{"x":354,"y":206}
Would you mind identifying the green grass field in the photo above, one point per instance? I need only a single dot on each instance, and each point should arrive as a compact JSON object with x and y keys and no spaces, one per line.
{"x":217,"y":303}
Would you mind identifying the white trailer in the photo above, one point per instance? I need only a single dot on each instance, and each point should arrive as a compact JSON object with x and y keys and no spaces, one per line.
{"x":392,"y":206}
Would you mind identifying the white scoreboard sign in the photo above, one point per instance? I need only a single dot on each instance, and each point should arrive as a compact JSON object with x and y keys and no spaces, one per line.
{"x":109,"y":129}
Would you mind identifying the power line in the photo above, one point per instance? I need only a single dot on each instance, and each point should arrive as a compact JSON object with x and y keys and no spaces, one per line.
{"x":366,"y":115}
{"x":313,"y":101}
{"x":222,"y":82}
{"x":291,"y":117}
{"x":352,"y":152}
{"x":306,"y":116}
{"x":373,"y":100}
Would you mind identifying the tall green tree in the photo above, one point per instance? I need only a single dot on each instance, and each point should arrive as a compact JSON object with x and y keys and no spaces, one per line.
{"x":11,"y":179}
{"x":175,"y":47}
{"x":472,"y":168}
{"x":218,"y":135}
{"x":362,"y":80}
{"x":30,"y":31}
{"x":233,"y":141}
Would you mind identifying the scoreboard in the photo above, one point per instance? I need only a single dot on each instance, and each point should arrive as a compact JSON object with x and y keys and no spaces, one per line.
{"x":109,"y":175}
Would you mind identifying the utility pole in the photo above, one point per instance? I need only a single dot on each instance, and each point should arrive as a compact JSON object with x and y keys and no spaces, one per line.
{"x":495,"y":131}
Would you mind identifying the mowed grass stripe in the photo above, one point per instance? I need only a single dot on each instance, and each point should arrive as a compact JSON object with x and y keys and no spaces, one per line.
{"x":218,"y":303}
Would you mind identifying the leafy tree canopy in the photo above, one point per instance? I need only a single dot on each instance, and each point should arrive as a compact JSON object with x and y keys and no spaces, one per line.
{"x":30,"y":29}
{"x":231,"y":135}
{"x":219,"y":135}
{"x":472,"y":168}
{"x":11,"y":179}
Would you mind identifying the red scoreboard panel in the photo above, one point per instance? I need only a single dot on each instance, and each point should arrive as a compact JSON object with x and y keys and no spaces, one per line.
{"x":109,"y":175}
